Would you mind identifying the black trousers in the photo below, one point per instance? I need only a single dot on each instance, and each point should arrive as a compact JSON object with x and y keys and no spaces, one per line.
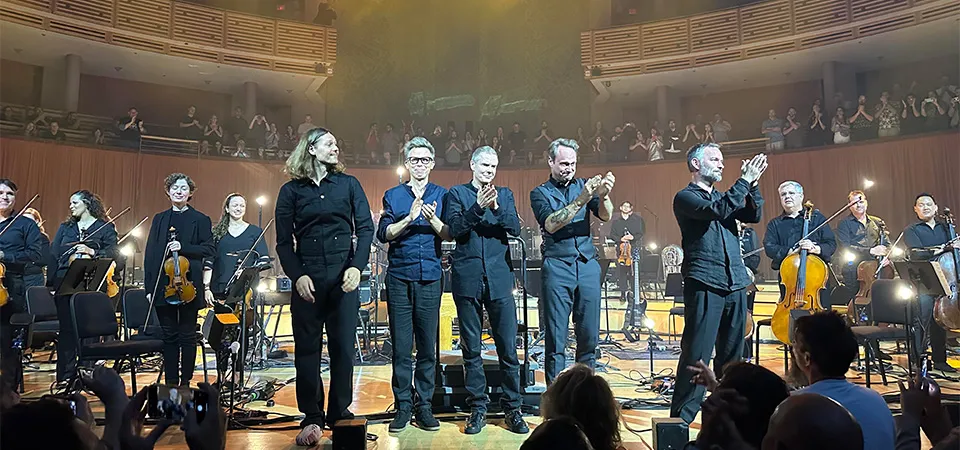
{"x":625,"y":278}
{"x":503,"y":326}
{"x":926,"y":331}
{"x":337,"y":311}
{"x":9,"y":357}
{"x":570,"y":286}
{"x":178,"y":328}
{"x":711,"y":318}
{"x":414,"y":313}
{"x":748,"y":343}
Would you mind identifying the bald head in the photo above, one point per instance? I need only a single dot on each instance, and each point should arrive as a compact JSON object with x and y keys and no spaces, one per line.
{"x":812,"y":421}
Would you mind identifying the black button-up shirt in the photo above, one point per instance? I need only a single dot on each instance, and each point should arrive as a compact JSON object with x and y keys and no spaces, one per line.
{"x":858,"y":237}
{"x":103,"y":243}
{"x":573,"y":240}
{"x":21,"y":244}
{"x":708,"y":226}
{"x":920,"y":235}
{"x":482,"y":236}
{"x":633,"y":224}
{"x":784,"y":232}
{"x":414,"y":255}
{"x":323,"y":219}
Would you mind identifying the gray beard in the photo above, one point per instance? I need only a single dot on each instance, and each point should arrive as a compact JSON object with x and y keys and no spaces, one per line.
{"x":711,"y":178}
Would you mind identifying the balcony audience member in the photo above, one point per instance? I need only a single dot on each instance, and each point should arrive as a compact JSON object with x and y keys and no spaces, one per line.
{"x":655,"y":146}
{"x":131,"y":128}
{"x":817,"y":132}
{"x":598,"y":130}
{"x":861,"y":123}
{"x":823,"y":349}
{"x":204,"y":148}
{"x":436,"y":138}
{"x":946,"y":92}
{"x":36,"y":116}
{"x":691,"y":135}
{"x":272,"y":140}
{"x":304,"y":127}
{"x":721,"y":129}
{"x":213,"y":132}
{"x":888,"y":117}
{"x":516,"y":142}
{"x":772,"y":128}
{"x":390,"y":141}
{"x":257,"y":132}
{"x":325,"y":14}
{"x":289,"y":139}
{"x":497,"y":145}
{"x":584,"y":396}
{"x":190,"y":125}
{"x":372,"y":143}
{"x":911,"y":121}
{"x":598,"y":146}
{"x":8,"y":115}
{"x":236,"y":127}
{"x":219,"y":148}
{"x":72,"y":122}
{"x":54,"y":132}
{"x":482,"y":138}
{"x":934,"y":114}
{"x":453,"y":149}
{"x":96,"y":138}
{"x":840,"y":127}
{"x":709,"y":137}
{"x":954,"y":112}
{"x":543,"y":140}
{"x":502,"y":136}
{"x":671,"y":138}
{"x":469,"y":143}
{"x":793,"y":132}
{"x":582,"y":140}
{"x":619,"y":145}
{"x":638,"y":147}
{"x":241,"y":150}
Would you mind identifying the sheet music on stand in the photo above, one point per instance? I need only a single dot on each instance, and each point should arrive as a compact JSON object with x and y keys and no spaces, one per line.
{"x":84,"y":275}
{"x":926,"y":276}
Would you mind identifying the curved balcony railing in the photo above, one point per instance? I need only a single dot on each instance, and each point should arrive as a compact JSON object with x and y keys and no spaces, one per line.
{"x":752,"y":31}
{"x":186,"y":30}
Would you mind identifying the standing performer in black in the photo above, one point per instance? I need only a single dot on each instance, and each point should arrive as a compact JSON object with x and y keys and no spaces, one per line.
{"x":194,"y":241}
{"x":749,"y":244}
{"x":626,"y":228}
{"x":481,"y":218}
{"x":714,"y":277}
{"x":20,"y":244}
{"x":320,"y":209}
{"x":85,"y":234}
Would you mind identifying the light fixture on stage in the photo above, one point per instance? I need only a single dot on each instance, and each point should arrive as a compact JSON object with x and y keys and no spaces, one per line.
{"x":400,"y":172}
{"x":652,"y":246}
{"x":127,"y":250}
{"x":896,"y":252}
{"x":136,"y":232}
{"x":849,"y":256}
{"x":905,"y":292}
{"x":261,"y":200}
{"x":867,"y":184}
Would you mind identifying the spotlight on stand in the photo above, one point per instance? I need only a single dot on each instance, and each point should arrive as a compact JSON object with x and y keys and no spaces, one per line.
{"x":867,"y":184}
{"x":127,"y":250}
{"x":400,"y":172}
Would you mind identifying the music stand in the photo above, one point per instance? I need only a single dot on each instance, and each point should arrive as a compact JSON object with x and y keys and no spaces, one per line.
{"x":84,"y":275}
{"x":236,"y":293}
{"x":928,"y":278}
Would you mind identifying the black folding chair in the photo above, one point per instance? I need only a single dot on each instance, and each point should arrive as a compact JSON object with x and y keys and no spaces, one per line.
{"x":134,"y":306}
{"x":889,"y":303}
{"x":94,"y":317}
{"x":46,"y":324}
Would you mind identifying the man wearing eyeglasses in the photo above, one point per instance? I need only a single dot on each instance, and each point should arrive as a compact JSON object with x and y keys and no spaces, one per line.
{"x":411,"y":225}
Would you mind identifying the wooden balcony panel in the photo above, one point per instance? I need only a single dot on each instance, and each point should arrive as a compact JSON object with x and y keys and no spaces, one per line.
{"x":197,"y":25}
{"x":96,"y":11}
{"x":769,"y":49}
{"x":826,"y":39}
{"x":714,"y":31}
{"x":301,"y":41}
{"x":292,"y":67}
{"x":718,"y":58}
{"x":950,"y":9}
{"x":616,"y":45}
{"x":138,"y":43}
{"x":862,"y":9}
{"x":196,"y":53}
{"x":811,"y":15}
{"x":763,"y":21}
{"x":44,"y":5}
{"x":247,"y":61}
{"x":586,"y":40}
{"x":144,"y":16}
{"x":28,"y":18}
{"x":666,"y":66}
{"x":331,"y":46}
{"x":250,"y":33}
{"x":665,"y":38}
{"x":889,"y":24}
{"x":93,"y":33}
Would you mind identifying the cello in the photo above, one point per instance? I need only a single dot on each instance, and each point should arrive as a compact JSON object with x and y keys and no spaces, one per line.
{"x":946,"y":309}
{"x":803,"y":276}
{"x":869,"y":272}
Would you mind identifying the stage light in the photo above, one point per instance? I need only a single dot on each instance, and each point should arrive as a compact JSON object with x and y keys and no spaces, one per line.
{"x":849,"y":257}
{"x":136,"y":232}
{"x":262,"y":287}
{"x":905,"y":293}
{"x":400,"y":171}
{"x":648,"y":323}
{"x":127,"y":250}
{"x":867,"y":184}
{"x":262,"y":200}
{"x":652,"y":246}
{"x":897,"y":252}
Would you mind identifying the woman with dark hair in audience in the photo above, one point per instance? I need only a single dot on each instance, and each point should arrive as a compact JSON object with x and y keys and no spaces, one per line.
{"x":30,"y":130}
{"x":560,"y":433}
{"x":818,"y":134}
{"x":213,"y":132}
{"x":586,"y":397}
{"x":72,"y":122}
{"x":840,"y":127}
{"x":33,"y":273}
{"x":289,"y":138}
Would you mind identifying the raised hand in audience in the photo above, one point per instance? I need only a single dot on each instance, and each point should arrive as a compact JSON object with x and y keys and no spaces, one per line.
{"x":131,"y":425}
{"x":209,"y":433}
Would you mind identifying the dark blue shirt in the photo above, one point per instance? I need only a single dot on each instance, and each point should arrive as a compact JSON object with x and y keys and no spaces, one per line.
{"x":322,"y":219}
{"x":784,"y":232}
{"x":708,"y":226}
{"x":22,"y":244}
{"x":103,"y":243}
{"x":414,"y":255}
{"x":573,"y":240}
{"x":482,"y":236}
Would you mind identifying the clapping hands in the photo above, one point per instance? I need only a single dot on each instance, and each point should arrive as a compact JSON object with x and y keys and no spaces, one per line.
{"x":751,"y":170}
{"x":487,"y":197}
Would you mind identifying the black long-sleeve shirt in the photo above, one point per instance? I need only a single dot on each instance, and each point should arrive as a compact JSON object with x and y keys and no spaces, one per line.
{"x":230,"y":250}
{"x":103,"y":243}
{"x":633,"y":224}
{"x":708,"y":225}
{"x":783,"y":232}
{"x":749,"y":243}
{"x":858,"y":238}
{"x":323,"y":219}
{"x":22,"y":244}
{"x":195,"y":234}
{"x":482,"y":237}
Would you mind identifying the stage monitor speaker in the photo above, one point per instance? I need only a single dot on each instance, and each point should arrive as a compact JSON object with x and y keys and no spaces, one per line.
{"x":284,"y":284}
{"x":350,"y":434}
{"x":221,"y":330}
{"x":669,"y":433}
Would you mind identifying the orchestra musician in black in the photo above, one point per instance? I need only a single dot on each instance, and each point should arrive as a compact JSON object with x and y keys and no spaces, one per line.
{"x":85,"y":233}
{"x":20,"y":244}
{"x":194,"y":241}
{"x":749,"y":244}
{"x":33,"y":274}
{"x":860,"y":237}
{"x":626,"y":228}
{"x":233,"y":238}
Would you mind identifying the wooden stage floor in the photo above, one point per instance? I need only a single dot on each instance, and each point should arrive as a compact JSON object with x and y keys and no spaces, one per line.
{"x":372,"y":395}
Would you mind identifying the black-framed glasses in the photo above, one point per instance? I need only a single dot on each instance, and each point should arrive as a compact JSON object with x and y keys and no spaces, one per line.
{"x":422,"y":160}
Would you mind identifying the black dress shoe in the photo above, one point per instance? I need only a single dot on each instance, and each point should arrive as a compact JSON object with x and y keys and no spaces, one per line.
{"x":425,"y":419}
{"x":944,"y":367}
{"x":400,"y":421}
{"x":476,"y":422}
{"x":515,"y":422}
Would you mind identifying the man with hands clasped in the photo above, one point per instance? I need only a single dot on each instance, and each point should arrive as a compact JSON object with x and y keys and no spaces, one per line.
{"x":411,"y":225}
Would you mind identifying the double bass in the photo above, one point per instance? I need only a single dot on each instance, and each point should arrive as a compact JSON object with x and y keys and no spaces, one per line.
{"x":946,"y":309}
{"x":803,"y":276}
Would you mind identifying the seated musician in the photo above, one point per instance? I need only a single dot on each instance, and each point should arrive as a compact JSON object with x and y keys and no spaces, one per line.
{"x":926,"y":239}
{"x":862,"y":237}
{"x":784,"y":233}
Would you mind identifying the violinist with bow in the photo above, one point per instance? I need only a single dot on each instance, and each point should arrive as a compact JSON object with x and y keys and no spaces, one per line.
{"x":626,"y":229}
{"x":179,"y":240}
{"x":86,"y":233}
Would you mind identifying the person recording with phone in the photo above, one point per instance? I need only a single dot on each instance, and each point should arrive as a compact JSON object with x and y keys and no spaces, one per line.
{"x":177,"y":312}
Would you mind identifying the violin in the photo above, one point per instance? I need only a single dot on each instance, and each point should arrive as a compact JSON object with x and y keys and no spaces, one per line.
{"x":625,"y":257}
{"x":946,"y":309}
{"x":180,"y":289}
{"x":803,"y":276}
{"x":4,"y":293}
{"x":112,"y":288}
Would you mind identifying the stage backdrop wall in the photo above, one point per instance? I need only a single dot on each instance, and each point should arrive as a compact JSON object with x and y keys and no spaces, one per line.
{"x":901,"y":168}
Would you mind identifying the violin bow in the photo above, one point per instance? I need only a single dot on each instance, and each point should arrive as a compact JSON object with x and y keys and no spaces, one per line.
{"x":825,"y":222}
{"x":20,"y":213}
{"x":246,"y":255}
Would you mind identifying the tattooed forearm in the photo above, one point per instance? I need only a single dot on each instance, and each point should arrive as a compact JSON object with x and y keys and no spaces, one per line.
{"x":562,"y":217}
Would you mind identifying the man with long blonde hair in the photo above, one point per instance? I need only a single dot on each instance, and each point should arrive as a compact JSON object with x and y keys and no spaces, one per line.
{"x":318,"y":212}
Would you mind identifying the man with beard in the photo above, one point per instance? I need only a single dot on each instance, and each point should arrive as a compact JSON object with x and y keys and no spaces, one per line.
{"x":715,"y":279}
{"x":482,"y":217}
{"x":862,"y":237}
{"x":571,"y":273}
{"x":411,"y":225}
